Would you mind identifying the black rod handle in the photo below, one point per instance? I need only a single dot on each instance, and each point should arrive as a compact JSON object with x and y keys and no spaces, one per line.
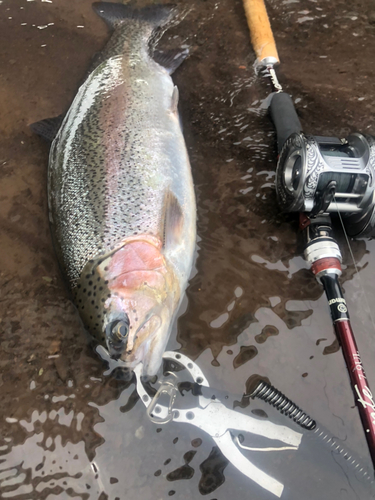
{"x":284,"y":117}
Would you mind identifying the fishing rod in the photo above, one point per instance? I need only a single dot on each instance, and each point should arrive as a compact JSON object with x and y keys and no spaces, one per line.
{"x":318,"y":176}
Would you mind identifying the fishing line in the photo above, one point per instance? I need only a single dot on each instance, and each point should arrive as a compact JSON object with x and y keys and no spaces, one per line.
{"x":355,"y":266}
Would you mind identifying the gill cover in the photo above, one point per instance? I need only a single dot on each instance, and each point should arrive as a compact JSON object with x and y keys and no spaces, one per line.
{"x":90,"y":296}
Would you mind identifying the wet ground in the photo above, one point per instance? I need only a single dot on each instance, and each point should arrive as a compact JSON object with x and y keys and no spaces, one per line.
{"x":68,"y":427}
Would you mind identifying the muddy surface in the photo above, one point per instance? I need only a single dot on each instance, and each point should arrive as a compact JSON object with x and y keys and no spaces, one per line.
{"x":70,"y":427}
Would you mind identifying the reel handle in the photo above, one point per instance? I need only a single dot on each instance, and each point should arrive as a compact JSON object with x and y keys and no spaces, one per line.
{"x":284,"y":117}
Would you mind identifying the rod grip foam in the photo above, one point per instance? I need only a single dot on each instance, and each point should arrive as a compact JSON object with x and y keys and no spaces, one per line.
{"x":284,"y":117}
{"x":260,"y":30}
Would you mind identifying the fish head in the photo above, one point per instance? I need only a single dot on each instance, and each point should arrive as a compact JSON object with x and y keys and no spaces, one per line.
{"x":132,"y":314}
{"x":140,"y":334}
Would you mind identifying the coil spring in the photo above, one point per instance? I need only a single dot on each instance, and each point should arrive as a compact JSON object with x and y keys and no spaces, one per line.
{"x":274,"y":397}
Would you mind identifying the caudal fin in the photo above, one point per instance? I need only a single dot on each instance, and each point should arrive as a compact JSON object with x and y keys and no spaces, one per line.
{"x":115,"y":14}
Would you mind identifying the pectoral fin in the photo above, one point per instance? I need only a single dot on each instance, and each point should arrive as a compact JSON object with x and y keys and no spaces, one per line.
{"x":174,"y":100}
{"x":170,"y":59}
{"x":173,"y":221}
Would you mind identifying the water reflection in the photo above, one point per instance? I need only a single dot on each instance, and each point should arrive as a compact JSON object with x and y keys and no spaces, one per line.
{"x":134,"y":458}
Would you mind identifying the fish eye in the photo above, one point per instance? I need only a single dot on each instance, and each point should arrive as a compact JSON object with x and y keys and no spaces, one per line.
{"x":118,"y":330}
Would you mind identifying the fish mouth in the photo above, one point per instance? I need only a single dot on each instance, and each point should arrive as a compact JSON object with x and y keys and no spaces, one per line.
{"x":138,"y":348}
{"x":151,"y":352}
{"x":149,"y":344}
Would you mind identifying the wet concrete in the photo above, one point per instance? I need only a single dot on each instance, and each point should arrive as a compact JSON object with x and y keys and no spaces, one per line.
{"x":69,"y":428}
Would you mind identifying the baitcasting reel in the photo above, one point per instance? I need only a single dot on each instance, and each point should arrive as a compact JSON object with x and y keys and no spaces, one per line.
{"x":319,"y":175}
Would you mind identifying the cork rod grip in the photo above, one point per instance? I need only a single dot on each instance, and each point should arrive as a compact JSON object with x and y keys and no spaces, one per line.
{"x":260,"y":30}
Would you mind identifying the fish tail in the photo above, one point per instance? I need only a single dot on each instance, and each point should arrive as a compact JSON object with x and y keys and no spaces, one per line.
{"x":155,"y":16}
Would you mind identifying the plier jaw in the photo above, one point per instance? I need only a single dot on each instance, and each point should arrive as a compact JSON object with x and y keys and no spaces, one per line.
{"x":217,"y":420}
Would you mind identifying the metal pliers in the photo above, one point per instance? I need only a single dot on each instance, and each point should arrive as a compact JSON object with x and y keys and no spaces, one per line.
{"x":217,"y":420}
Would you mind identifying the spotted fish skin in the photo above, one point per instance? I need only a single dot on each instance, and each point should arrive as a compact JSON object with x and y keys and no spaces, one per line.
{"x":121,"y":196}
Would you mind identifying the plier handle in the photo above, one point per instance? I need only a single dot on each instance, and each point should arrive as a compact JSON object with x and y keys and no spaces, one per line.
{"x":217,"y":420}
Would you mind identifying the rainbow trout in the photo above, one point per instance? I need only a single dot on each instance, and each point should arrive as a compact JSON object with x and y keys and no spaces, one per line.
{"x":121,"y":197}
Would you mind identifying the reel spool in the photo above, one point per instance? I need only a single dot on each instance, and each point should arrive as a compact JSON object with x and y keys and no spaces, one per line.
{"x":320,"y":175}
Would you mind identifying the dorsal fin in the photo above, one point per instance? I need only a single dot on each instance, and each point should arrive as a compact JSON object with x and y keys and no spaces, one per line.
{"x":48,"y":128}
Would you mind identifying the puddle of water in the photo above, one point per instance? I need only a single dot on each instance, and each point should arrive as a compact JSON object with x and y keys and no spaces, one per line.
{"x":70,"y":429}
